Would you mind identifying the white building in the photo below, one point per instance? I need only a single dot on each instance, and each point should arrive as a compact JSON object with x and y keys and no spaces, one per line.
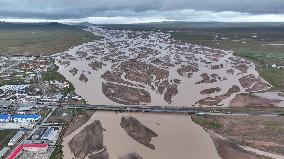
{"x":49,"y":134}
{"x":15,"y":88}
{"x":16,"y":138}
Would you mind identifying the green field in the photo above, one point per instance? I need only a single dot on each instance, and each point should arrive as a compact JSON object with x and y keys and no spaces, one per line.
{"x":5,"y":136}
{"x":53,"y":75}
{"x":40,"y":39}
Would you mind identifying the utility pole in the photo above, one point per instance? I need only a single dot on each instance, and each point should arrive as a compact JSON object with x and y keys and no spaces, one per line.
{"x":75,"y":110}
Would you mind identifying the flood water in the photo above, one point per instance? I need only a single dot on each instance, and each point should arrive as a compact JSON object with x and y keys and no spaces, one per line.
{"x":178,"y":137}
{"x":117,"y":44}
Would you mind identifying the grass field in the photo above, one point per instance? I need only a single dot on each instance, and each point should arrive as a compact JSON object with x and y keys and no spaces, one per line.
{"x":53,"y":75}
{"x":41,"y":39}
{"x":266,"y":134}
{"x":5,"y":137}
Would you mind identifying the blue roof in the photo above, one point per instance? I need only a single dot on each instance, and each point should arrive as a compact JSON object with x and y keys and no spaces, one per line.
{"x":32,"y":116}
{"x":48,"y":132}
{"x":4,"y":116}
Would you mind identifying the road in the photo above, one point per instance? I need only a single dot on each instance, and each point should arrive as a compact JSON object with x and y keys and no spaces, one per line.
{"x":164,"y":109}
{"x":41,"y":84}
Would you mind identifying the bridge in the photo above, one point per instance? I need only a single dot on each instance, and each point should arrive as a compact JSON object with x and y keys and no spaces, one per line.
{"x":150,"y":109}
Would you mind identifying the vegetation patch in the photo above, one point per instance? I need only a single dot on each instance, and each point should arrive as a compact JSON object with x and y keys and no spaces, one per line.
{"x":266,"y":135}
{"x":203,"y":121}
{"x":5,"y":137}
{"x":40,"y":39}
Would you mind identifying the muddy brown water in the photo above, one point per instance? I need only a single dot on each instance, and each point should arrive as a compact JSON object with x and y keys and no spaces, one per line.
{"x":178,"y":137}
{"x":188,"y":90}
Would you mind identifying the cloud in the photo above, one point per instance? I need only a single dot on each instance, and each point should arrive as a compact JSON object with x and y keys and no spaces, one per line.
{"x":60,"y":9}
{"x":130,"y":17}
{"x":131,"y":11}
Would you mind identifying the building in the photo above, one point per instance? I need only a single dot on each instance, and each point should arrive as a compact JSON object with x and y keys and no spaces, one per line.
{"x":28,"y":147}
{"x":15,"y":88}
{"x":49,"y":134}
{"x":24,"y":108}
{"x":4,"y":151}
{"x":16,"y":138}
{"x":4,"y":118}
{"x":48,"y":101}
{"x":25,"y":117}
{"x":35,"y":147}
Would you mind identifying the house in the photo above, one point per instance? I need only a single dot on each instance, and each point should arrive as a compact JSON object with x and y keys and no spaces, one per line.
{"x":4,"y":118}
{"x":25,"y":117}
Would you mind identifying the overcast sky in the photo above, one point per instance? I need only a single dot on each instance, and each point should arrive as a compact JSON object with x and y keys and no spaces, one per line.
{"x":139,"y":11}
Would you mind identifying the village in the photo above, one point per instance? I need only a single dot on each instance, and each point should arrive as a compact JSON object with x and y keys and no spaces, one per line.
{"x":30,"y":90}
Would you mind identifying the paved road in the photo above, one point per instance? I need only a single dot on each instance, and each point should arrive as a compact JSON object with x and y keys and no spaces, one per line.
{"x":41,"y":84}
{"x":146,"y":109}
{"x":164,"y":109}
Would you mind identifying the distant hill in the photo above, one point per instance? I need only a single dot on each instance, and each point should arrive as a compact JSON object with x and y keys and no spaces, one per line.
{"x":5,"y":25}
{"x":180,"y":25}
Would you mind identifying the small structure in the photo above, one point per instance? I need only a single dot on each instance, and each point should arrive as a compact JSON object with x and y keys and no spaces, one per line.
{"x":16,"y":138}
{"x":25,"y":117}
{"x":4,"y":118}
{"x":4,"y":151}
{"x":24,"y":109}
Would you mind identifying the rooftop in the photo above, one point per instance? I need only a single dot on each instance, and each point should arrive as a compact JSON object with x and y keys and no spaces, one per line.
{"x":4,"y":116}
{"x":27,"y":116}
{"x":14,"y":154}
